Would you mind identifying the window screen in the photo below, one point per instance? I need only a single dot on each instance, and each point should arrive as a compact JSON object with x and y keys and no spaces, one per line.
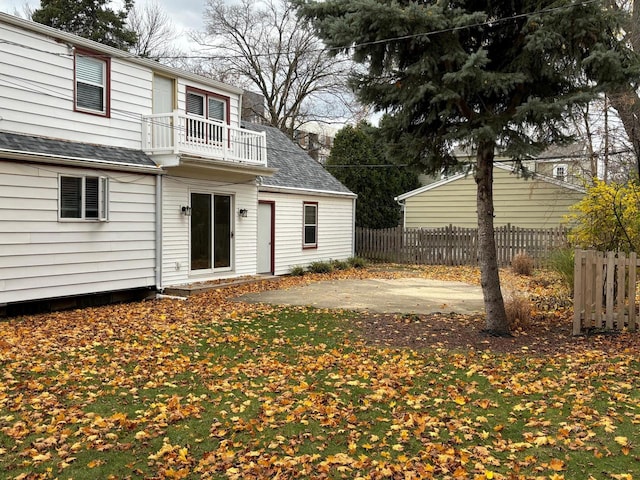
{"x":90,"y":83}
{"x":84,"y":197}
{"x":195,"y":104}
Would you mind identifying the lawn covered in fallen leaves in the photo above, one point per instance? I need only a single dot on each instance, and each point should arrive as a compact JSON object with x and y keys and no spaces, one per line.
{"x":211,"y":388}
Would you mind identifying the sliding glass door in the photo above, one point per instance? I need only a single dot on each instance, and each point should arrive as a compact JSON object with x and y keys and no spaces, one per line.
{"x":211,"y":231}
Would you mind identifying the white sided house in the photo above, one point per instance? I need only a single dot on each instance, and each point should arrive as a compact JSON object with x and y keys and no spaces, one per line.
{"x":304,"y":213}
{"x":119,"y":173}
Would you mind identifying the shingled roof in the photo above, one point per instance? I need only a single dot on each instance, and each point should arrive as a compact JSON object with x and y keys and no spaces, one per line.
{"x":61,"y":149}
{"x":296,"y":169}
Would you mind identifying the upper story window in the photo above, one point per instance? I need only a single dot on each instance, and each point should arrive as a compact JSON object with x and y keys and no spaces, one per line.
{"x":84,"y":197}
{"x":310,"y":214}
{"x":207,"y":105}
{"x":92,"y":84}
{"x":202,"y":107}
{"x":560,"y":172}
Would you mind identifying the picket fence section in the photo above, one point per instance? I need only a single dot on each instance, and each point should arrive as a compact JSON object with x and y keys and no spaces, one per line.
{"x":604,"y":291}
{"x":453,"y":245}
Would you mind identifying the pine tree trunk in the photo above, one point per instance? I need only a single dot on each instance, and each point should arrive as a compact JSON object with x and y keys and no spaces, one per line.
{"x":496,"y":318}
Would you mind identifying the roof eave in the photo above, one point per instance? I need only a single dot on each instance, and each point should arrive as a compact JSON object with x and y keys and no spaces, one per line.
{"x":298,"y":190}
{"x":78,"y":162}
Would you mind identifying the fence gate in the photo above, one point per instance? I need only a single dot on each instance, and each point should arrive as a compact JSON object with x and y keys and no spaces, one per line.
{"x":604,"y":291}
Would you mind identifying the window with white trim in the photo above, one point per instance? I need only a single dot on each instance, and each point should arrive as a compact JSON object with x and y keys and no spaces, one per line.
{"x":560,"y":172}
{"x":310,"y":214}
{"x":91,"y":84}
{"x":84,"y":198}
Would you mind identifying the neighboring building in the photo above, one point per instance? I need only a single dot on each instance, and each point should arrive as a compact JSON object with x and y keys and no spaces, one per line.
{"x":300,"y":192}
{"x":117,"y":172}
{"x":537,"y":202}
{"x":569,"y":163}
{"x":316,"y":139}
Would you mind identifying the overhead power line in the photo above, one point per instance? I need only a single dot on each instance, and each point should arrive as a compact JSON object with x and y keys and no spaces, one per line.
{"x":489,"y":23}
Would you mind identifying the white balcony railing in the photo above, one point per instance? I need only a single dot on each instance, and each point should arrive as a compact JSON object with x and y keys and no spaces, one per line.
{"x":179,"y":133}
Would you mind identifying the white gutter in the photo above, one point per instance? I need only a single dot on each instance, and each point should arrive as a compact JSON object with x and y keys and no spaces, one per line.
{"x":322,"y":193}
{"x":77,"y":162}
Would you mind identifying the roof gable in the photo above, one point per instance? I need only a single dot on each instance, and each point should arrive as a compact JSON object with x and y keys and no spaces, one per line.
{"x":499,"y":165}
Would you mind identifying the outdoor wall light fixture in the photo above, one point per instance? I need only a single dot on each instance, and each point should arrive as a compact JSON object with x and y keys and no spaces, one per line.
{"x":243,"y":212}
{"x":186,"y":210}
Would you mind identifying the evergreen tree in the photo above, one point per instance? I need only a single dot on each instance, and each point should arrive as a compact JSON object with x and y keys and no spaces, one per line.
{"x":482,"y":74}
{"x":90,"y":19}
{"x":358,"y":160}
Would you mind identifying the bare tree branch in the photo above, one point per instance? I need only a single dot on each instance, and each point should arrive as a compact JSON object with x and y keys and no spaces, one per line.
{"x":156,"y":33}
{"x":266,"y":48}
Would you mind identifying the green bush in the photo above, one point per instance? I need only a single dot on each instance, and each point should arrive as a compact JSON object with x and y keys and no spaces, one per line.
{"x":320,"y":267}
{"x":340,"y":264}
{"x":357,"y":262}
{"x":562,"y":262}
{"x":297,"y":271}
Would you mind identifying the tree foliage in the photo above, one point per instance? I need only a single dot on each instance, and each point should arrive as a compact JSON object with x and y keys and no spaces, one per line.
{"x":624,"y":98}
{"x":608,"y":217}
{"x":358,"y":160}
{"x":91,"y":19}
{"x":266,"y":48}
{"x":486,"y":75}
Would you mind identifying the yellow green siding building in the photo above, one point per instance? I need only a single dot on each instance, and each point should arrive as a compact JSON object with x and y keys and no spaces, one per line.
{"x":538,"y":202}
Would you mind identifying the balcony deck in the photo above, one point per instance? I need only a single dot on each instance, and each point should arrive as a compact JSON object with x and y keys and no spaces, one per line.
{"x":180,"y":134}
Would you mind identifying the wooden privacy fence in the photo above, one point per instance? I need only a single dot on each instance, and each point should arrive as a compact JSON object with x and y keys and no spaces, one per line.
{"x":604,"y":291}
{"x":455,"y":245}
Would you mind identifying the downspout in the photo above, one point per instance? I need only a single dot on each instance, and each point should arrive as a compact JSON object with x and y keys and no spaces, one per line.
{"x":159,"y":181}
{"x":353,"y":222}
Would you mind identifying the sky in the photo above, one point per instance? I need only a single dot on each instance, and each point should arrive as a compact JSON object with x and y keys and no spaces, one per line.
{"x":186,"y":15}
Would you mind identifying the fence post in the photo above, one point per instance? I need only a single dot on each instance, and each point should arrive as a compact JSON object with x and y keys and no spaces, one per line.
{"x":633,"y":265}
{"x":578,"y":292}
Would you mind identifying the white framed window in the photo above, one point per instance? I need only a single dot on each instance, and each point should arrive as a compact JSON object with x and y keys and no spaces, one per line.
{"x":83,"y":198}
{"x":206,"y":105}
{"x":91,"y":83}
{"x":560,"y":172}
{"x":310,"y":214}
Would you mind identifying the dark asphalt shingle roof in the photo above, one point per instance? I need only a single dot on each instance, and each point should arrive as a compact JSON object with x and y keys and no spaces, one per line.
{"x":73,"y":150}
{"x":296,"y":169}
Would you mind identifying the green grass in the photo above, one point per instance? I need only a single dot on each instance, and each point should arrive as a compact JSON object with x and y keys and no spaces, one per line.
{"x":294,"y":391}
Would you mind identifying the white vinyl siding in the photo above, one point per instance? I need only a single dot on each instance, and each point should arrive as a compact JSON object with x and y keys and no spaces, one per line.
{"x":529,"y":203}
{"x":334,"y":233}
{"x":91,"y":84}
{"x":41,"y":257}
{"x":37,"y":94}
{"x":176,"y":193}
